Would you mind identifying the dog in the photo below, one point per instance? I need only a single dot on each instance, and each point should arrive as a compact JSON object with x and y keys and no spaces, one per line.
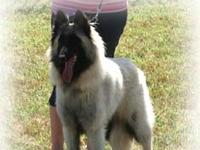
{"x":107,"y":99}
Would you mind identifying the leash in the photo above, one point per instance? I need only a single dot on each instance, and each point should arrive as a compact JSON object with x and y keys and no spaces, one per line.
{"x":99,"y":8}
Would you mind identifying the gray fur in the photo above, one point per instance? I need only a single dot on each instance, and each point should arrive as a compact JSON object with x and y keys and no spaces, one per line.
{"x":110,"y":89}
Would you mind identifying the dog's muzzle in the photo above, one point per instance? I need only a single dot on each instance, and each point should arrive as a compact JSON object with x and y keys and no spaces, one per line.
{"x":68,"y":70}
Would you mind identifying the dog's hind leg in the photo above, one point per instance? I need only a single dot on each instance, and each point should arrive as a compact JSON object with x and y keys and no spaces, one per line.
{"x":140,"y":121}
{"x":142,"y":133}
{"x":119,"y":139}
{"x":147,"y":143}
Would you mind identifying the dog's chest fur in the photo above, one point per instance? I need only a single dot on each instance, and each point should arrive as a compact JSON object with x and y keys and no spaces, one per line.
{"x":78,"y":106}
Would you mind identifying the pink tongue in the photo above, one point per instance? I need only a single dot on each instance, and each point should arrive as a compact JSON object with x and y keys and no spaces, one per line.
{"x":68,"y":69}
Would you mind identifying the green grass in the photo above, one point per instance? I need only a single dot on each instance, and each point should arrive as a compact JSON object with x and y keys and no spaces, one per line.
{"x":154,"y":39}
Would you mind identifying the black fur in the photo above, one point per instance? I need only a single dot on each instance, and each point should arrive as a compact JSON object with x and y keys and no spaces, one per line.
{"x":130,"y":131}
{"x":81,"y":21}
{"x":70,"y":38}
{"x":60,"y":20}
{"x":109,"y":128}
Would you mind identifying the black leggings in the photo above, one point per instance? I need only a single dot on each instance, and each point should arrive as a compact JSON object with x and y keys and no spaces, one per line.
{"x":110,"y":27}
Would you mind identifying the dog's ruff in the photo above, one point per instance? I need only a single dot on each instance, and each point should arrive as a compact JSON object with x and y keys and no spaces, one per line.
{"x":109,"y":98}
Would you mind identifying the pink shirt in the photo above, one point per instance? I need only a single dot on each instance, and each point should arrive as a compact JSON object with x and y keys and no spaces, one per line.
{"x":90,"y":6}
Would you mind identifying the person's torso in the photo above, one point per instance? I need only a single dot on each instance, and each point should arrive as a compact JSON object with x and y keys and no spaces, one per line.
{"x":89,"y":6}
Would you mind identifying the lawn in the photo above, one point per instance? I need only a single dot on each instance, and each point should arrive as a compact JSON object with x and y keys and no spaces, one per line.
{"x":154,"y":38}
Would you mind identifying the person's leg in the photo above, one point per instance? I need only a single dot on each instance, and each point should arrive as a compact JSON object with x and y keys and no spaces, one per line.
{"x":110,"y":27}
{"x":57,"y":139}
{"x":56,"y":130}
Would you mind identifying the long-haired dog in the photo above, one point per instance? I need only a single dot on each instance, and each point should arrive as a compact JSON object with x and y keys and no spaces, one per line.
{"x":104,"y":98}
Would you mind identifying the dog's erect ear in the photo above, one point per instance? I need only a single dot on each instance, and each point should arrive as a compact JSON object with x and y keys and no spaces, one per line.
{"x":82,"y":22}
{"x":61,"y":19}
{"x":57,"y":21}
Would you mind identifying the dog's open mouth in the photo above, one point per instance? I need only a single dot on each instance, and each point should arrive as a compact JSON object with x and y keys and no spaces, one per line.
{"x":68,"y":70}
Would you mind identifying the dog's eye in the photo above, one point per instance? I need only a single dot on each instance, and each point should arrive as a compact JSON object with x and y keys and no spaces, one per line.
{"x":63,"y":52}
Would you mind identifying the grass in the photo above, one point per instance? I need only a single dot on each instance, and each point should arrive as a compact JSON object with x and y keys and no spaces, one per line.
{"x":154,"y":39}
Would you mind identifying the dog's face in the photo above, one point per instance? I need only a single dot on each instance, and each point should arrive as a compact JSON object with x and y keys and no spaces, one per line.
{"x":73,"y":50}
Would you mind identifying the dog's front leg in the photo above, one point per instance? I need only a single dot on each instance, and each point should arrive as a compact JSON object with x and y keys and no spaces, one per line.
{"x":71,"y":137}
{"x":96,"y":139}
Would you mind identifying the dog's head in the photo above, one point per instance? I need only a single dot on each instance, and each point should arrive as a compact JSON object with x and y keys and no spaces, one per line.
{"x":73,"y":50}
